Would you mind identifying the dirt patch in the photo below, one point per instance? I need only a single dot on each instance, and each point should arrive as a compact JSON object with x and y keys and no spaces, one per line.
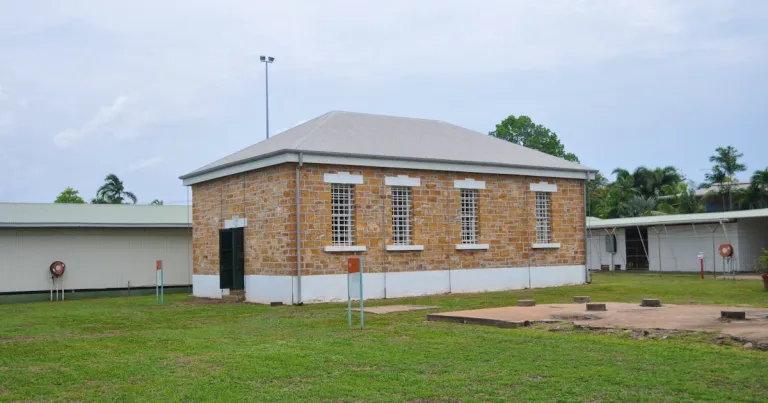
{"x":383,"y":310}
{"x":678,"y":318}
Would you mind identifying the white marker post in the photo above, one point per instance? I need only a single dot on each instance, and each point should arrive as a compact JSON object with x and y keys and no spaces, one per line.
{"x":355,"y":287}
{"x":159,"y":286}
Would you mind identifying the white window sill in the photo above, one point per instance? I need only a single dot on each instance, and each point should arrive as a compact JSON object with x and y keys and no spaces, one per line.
{"x":346,"y":248}
{"x":404,"y":248}
{"x":472,"y":246}
{"x":546,"y":246}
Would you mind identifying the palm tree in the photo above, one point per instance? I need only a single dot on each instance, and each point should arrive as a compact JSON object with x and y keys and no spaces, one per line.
{"x":756,"y":194}
{"x":681,"y":199}
{"x":113,"y":192}
{"x":724,"y":171}
{"x":639,"y":206}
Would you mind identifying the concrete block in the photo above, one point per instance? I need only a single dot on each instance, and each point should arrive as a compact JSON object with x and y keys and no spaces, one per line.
{"x":738,"y":315}
{"x":580,"y":299}
{"x":526,"y":302}
{"x":596,"y":307}
{"x":650,"y":302}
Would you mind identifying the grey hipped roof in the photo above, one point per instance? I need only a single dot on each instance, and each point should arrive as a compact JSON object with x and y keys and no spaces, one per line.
{"x":389,"y":137}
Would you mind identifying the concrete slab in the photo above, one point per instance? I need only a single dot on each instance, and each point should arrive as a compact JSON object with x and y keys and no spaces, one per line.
{"x":622,"y":316}
{"x":383,"y":310}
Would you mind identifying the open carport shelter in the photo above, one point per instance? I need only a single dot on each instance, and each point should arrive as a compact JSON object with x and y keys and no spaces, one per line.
{"x":107,"y":249}
{"x":673,"y":242}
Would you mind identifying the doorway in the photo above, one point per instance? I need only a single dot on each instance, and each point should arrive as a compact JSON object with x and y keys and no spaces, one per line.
{"x":637,"y":245}
{"x":231,"y":259}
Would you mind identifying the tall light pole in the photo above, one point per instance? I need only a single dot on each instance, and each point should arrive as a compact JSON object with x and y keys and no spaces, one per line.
{"x":267,"y":60}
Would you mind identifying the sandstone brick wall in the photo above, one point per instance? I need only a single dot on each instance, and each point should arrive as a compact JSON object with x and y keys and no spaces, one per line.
{"x":506,"y":217}
{"x":266,"y":197}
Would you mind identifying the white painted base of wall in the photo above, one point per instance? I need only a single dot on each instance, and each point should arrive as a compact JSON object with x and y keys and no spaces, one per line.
{"x":333,"y":287}
{"x":206,"y":286}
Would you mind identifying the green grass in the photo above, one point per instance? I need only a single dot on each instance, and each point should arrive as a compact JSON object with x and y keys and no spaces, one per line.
{"x":131,"y":349}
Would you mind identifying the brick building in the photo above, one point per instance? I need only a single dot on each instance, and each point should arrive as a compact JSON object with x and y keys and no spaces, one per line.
{"x":430,"y":207}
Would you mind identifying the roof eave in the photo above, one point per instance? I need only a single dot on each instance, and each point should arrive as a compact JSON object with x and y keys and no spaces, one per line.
{"x":189,"y":178}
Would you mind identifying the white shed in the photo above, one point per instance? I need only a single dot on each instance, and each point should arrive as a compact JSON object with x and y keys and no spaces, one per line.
{"x":677,"y":240}
{"x":106,"y":248}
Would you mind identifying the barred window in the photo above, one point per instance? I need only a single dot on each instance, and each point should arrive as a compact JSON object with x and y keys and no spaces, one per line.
{"x":402,"y":218}
{"x":342,"y":214}
{"x":543,"y":224}
{"x":469,"y":227}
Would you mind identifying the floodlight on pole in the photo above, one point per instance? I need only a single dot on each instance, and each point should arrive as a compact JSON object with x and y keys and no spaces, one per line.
{"x":267,"y":60}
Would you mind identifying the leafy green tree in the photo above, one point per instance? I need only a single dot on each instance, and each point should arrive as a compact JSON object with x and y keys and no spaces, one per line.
{"x":69,"y":195}
{"x":156,"y":202}
{"x":113,"y":192}
{"x":651,"y":182}
{"x":726,"y":166}
{"x":639,"y":206}
{"x":596,"y":191}
{"x":756,"y":195}
{"x":523,"y":131}
{"x":613,"y":204}
{"x":681,"y":199}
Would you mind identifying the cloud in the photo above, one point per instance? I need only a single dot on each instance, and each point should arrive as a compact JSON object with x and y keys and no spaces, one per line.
{"x":145,"y":163}
{"x":98,"y":124}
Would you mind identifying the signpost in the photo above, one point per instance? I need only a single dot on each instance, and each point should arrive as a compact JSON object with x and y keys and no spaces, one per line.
{"x":354,"y":287}
{"x":159,"y":288}
{"x":701,"y":263}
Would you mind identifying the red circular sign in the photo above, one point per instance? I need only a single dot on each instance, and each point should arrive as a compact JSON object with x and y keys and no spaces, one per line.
{"x":726,"y":250}
{"x":57,"y":268}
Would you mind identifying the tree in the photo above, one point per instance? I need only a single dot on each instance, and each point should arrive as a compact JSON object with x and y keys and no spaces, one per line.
{"x":724,"y":171}
{"x":156,"y":202}
{"x":521,"y":130}
{"x":617,"y":193}
{"x":681,"y":199}
{"x":113,"y":192}
{"x":756,"y":195}
{"x":596,"y":191}
{"x":639,"y":206}
{"x":69,"y":195}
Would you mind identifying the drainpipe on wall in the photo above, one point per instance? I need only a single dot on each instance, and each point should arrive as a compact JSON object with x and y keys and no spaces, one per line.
{"x":298,"y":231}
{"x":587,"y":278}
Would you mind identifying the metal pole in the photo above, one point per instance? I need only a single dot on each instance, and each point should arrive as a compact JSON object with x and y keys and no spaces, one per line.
{"x":658,"y":241}
{"x":266,"y":66}
{"x":349,"y":303}
{"x":362,"y":313}
{"x":298,"y":229}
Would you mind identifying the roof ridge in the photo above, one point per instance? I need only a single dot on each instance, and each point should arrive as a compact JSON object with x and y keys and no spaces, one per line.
{"x":320,"y":124}
{"x":391,"y":116}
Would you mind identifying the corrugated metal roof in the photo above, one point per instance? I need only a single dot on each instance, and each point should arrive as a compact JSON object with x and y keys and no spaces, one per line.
{"x":20,"y":215}
{"x":367,"y":135}
{"x":674,"y":219}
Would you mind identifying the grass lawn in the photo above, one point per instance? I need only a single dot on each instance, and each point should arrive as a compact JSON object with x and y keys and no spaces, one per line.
{"x":132,"y":349}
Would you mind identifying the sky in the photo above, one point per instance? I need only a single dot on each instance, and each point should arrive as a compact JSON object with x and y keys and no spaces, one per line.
{"x":150,"y":90}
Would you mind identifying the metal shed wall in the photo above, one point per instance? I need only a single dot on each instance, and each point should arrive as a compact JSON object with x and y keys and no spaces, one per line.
{"x":597,"y":256}
{"x":681,"y":244}
{"x":96,"y":258}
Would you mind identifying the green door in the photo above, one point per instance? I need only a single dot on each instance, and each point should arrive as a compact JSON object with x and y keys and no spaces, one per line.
{"x":238,"y":255}
{"x":225,"y":259}
{"x":231,"y":259}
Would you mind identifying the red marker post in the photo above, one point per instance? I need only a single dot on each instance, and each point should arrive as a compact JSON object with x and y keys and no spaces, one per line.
{"x":701,"y":261}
